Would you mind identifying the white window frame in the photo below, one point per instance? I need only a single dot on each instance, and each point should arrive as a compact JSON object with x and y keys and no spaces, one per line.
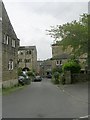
{"x":21,"y":53}
{"x":10,"y":65}
{"x":13,"y":43}
{"x":58,"y":62}
{"x":4,"y":39}
{"x":7,"y":39}
{"x":18,"y":52}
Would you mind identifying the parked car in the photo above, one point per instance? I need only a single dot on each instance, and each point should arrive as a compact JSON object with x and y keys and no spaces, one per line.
{"x":23,"y":79}
{"x":37,"y":79}
{"x":49,"y":76}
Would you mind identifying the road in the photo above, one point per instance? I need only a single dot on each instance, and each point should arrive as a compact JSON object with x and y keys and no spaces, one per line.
{"x":42,"y":100}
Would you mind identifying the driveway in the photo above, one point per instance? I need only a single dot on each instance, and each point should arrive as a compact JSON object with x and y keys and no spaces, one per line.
{"x":44,"y":100}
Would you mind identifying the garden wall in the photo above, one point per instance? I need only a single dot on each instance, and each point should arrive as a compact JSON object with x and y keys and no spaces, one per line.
{"x":80,"y":77}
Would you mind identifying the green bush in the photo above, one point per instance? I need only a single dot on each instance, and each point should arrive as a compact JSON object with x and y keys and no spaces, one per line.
{"x":19,"y":71}
{"x":56,"y":77}
{"x":72,"y":66}
{"x":57,"y":69}
{"x":30,"y":74}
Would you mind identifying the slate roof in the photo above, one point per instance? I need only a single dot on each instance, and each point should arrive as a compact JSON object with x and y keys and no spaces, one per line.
{"x":27,"y":47}
{"x":62,"y":56}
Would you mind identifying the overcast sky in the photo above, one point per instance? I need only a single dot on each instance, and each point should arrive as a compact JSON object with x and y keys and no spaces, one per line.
{"x":31,"y":19}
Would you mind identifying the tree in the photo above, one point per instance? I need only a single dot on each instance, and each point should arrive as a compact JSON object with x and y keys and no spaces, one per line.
{"x":57,"y":69}
{"x":56,"y":77}
{"x":74,"y":34}
{"x":30,"y":74}
{"x":72,"y":66}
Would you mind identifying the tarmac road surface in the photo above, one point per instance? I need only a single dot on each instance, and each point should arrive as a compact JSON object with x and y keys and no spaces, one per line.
{"x":43,"y":100}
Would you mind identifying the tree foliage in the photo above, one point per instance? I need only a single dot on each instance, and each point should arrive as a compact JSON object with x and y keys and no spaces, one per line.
{"x":74,"y":34}
{"x":57,"y":69}
{"x":56,"y":77}
{"x":72,"y":66}
{"x":30,"y":73}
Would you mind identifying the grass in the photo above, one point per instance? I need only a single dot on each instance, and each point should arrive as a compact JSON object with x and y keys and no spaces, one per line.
{"x":14,"y":88}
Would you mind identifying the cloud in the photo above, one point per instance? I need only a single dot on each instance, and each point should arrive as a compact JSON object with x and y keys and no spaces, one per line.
{"x":31,"y":19}
{"x":45,"y":1}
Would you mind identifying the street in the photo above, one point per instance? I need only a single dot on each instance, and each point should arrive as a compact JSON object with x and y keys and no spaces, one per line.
{"x":44,"y":100}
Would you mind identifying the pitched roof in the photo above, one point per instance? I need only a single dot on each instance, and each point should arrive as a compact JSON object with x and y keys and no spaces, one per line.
{"x":62,"y":56}
{"x":27,"y":47}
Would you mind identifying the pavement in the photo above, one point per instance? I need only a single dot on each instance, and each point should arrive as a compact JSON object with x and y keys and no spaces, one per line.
{"x":78,"y":91}
{"x":45,"y":100}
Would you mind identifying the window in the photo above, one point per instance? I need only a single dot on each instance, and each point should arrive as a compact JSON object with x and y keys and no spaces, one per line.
{"x":27,"y":60}
{"x":4,"y":39}
{"x":21,"y":52}
{"x":18,"y":52}
{"x":20,"y":60}
{"x":0,"y":19}
{"x":7,"y":40}
{"x":28,"y":52}
{"x":13,"y":43}
{"x":60,"y":62}
{"x":10,"y":65}
{"x":57,"y":62}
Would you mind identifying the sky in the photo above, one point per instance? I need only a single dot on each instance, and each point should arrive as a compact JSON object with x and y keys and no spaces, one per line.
{"x":30,"y":20}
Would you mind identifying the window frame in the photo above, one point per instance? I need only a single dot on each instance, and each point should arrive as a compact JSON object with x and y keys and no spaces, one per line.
{"x":13,"y":43}
{"x":10,"y":65}
{"x":7,"y":40}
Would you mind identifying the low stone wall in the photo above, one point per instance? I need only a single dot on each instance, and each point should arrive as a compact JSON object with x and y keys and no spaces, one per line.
{"x":9,"y":83}
{"x":80,"y":77}
{"x":67,"y":77}
{"x":76,"y":77}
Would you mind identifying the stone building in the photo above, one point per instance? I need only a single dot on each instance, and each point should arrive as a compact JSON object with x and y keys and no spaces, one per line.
{"x":10,"y":44}
{"x":56,"y":50}
{"x":59,"y":56}
{"x":27,"y":58}
{"x":40,"y":67}
{"x":47,"y":66}
{"x":0,"y":44}
{"x":44,"y":67}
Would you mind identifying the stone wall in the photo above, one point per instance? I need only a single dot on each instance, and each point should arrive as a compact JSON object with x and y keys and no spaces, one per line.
{"x":0,"y":43}
{"x":80,"y":77}
{"x":67,"y":75}
{"x":75,"y":77}
{"x":56,"y":50}
{"x":10,"y":83}
{"x":9,"y":52}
